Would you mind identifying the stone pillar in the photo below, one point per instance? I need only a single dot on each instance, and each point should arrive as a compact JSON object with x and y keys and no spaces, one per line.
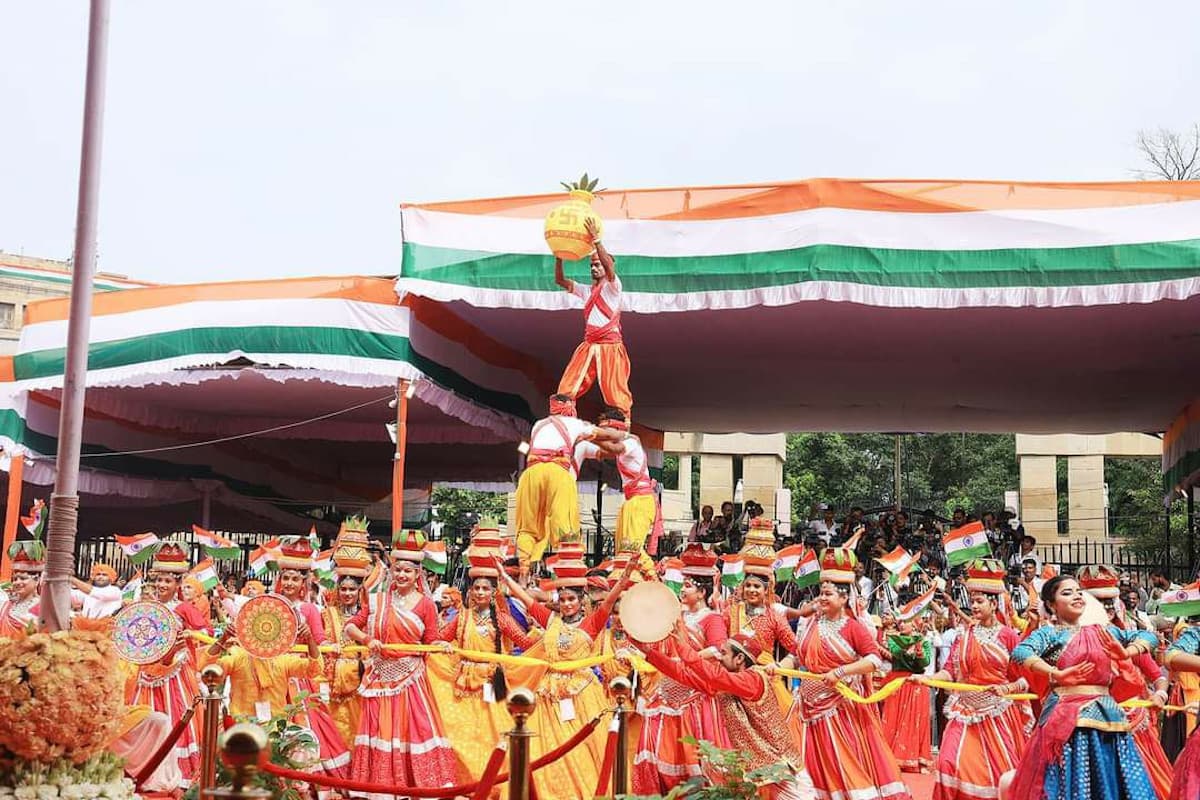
{"x":1085,"y":496}
{"x":762,"y":476}
{"x":1039,"y":497}
{"x":685,"y":476}
{"x":716,"y":480}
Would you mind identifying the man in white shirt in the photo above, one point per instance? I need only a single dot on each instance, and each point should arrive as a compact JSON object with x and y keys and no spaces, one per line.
{"x":824,"y":527}
{"x":601,"y":356}
{"x":1028,"y":543}
{"x":547,"y":500}
{"x":99,"y":599}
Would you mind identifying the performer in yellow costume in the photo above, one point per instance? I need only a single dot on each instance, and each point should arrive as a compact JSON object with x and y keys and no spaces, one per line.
{"x":640,"y":516}
{"x":344,"y":670}
{"x":470,"y":695}
{"x":259,"y":686}
{"x":547,"y":500}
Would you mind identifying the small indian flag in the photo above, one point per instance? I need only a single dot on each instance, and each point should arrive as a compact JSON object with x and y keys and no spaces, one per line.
{"x":435,"y":557}
{"x":1050,"y":570}
{"x":808,"y":571}
{"x":35,"y":523}
{"x":375,"y":583}
{"x":215,"y":545}
{"x":1183,"y":602}
{"x":852,"y":542}
{"x":262,"y":557}
{"x":917,"y":606}
{"x":139,"y":547}
{"x":133,"y":588}
{"x":786,"y":561}
{"x":673,"y":574}
{"x":323,"y":569}
{"x":966,"y":543}
{"x":206,"y":574}
{"x":733,"y":569}
{"x":899,"y":563}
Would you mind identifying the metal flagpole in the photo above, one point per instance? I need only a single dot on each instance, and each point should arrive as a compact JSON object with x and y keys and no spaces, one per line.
{"x":64,"y":503}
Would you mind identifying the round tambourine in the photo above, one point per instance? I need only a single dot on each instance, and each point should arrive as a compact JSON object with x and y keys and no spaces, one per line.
{"x":144,"y":632}
{"x":266,"y":626}
{"x":649,"y":611}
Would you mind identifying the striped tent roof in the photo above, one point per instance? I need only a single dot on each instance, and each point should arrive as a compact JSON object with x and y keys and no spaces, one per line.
{"x":856,"y":305}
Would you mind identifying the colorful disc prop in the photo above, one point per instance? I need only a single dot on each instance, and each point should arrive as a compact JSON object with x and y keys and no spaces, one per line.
{"x":266,"y":626}
{"x":649,"y":611}
{"x":144,"y":632}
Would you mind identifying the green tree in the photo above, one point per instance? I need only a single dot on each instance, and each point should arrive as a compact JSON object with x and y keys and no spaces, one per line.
{"x":459,"y":509}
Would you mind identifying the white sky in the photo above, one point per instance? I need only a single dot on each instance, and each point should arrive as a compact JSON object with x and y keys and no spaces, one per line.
{"x":265,"y":139}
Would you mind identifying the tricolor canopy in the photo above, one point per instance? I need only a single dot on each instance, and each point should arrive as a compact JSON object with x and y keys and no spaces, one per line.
{"x":856,"y":305}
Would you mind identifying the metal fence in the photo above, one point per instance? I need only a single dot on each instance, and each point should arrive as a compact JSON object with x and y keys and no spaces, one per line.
{"x":105,"y":550}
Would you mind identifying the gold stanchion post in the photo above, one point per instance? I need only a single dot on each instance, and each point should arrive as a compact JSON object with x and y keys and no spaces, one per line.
{"x":243,"y":749}
{"x":621,"y":690}
{"x":213,"y":678}
{"x":521,"y":703}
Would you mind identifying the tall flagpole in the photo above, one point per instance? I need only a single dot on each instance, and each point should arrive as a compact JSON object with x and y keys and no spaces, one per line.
{"x":64,"y":503}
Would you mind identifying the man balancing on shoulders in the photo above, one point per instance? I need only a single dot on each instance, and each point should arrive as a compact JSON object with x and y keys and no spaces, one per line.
{"x":547,"y":499}
{"x":601,"y":356}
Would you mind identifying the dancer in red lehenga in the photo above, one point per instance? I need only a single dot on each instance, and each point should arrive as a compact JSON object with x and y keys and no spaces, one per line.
{"x":843,"y":744}
{"x":170,"y":686}
{"x":906,"y":714}
{"x":401,"y":740}
{"x":986,"y":733}
{"x":675,"y":711}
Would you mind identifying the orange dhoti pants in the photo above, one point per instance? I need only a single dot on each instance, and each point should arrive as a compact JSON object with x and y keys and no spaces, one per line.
{"x":547,"y":508}
{"x":606,"y":363}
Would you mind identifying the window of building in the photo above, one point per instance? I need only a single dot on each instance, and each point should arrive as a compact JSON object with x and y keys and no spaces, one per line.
{"x":8,"y":315}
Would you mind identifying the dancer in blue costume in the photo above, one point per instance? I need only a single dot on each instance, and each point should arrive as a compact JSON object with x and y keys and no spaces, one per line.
{"x":1081,"y":748}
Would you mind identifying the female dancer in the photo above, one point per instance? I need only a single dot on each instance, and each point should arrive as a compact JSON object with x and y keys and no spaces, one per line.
{"x":1183,"y":656}
{"x":1141,"y":680}
{"x":674,"y":711}
{"x":19,"y":608}
{"x":170,"y":686}
{"x":567,"y":700}
{"x":906,"y":714}
{"x":400,"y":740}
{"x":844,"y":748}
{"x":343,"y":671}
{"x":1081,"y":747}
{"x":985,"y":732}
{"x":471,"y":694}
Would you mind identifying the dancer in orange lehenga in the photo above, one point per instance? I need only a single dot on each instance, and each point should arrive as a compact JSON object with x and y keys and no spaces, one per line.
{"x":401,"y":740}
{"x":906,"y":714}
{"x":673,"y":710}
{"x":843,"y":745}
{"x":986,"y":732}
{"x":19,"y":607}
{"x":1143,"y":681}
{"x":170,"y":686}
{"x":470,"y":695}
{"x":602,"y":354}
{"x":567,"y":700}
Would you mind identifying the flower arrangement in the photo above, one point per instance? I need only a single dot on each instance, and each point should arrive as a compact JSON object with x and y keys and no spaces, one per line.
{"x":60,"y":697}
{"x":101,"y":776}
{"x":728,"y":776}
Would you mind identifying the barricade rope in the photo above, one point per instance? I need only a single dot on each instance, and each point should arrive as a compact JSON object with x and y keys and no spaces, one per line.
{"x":445,"y":791}
{"x":610,"y":753}
{"x":168,"y":745}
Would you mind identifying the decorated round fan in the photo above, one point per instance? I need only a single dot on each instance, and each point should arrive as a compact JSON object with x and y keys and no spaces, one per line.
{"x":145,"y":631}
{"x":266,"y":626}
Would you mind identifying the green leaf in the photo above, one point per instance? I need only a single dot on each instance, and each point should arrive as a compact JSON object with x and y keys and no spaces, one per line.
{"x":583,"y":182}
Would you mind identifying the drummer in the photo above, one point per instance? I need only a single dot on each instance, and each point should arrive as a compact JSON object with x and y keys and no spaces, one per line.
{"x":169,"y":686}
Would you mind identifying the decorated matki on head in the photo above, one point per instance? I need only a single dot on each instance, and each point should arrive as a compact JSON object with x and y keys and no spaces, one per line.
{"x":484,"y":550}
{"x":837,"y":565}
{"x":350,"y":550}
{"x":699,"y":561}
{"x":295,"y":553}
{"x":171,"y":557}
{"x":1100,"y":581}
{"x":986,"y":575}
{"x":408,"y":545}
{"x":758,"y":552}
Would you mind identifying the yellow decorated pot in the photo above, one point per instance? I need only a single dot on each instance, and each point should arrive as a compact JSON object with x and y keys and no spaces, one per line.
{"x":565,"y":229}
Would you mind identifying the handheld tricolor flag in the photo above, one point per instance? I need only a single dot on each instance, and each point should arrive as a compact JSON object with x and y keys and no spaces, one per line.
{"x":206,"y":574}
{"x":35,"y":523}
{"x":132,"y":588}
{"x":899,"y":563}
{"x":138,"y":548}
{"x":916,"y":607}
{"x":673,"y":574}
{"x":215,"y":545}
{"x":434,"y":557}
{"x":1183,"y":602}
{"x":786,"y":562}
{"x":733,"y":569}
{"x":262,"y":557}
{"x":966,"y":543}
{"x":808,"y":571}
{"x":323,"y":569}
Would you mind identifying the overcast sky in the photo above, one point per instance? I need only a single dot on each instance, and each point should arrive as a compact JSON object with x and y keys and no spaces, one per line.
{"x":266,"y":139}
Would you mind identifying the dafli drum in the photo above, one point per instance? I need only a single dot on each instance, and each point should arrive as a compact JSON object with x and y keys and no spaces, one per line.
{"x":144,"y":632}
{"x":267,"y":626}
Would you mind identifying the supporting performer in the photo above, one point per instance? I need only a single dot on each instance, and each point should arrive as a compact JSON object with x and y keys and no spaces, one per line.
{"x":547,"y":500}
{"x":640,"y":514}
{"x":601,"y":356}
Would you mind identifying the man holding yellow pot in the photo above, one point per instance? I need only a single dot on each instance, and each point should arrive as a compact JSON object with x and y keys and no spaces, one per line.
{"x":601,"y":356}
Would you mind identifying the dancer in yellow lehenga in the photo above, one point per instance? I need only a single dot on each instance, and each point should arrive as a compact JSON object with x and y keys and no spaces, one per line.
{"x":568,"y":700}
{"x":470,"y":695}
{"x":343,"y":670}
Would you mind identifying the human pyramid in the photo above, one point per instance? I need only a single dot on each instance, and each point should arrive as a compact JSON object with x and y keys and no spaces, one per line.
{"x":399,"y":692}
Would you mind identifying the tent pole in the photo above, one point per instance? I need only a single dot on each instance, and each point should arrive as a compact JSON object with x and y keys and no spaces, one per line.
{"x":64,"y":503}
{"x":402,"y":390}
{"x":12,"y":512}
